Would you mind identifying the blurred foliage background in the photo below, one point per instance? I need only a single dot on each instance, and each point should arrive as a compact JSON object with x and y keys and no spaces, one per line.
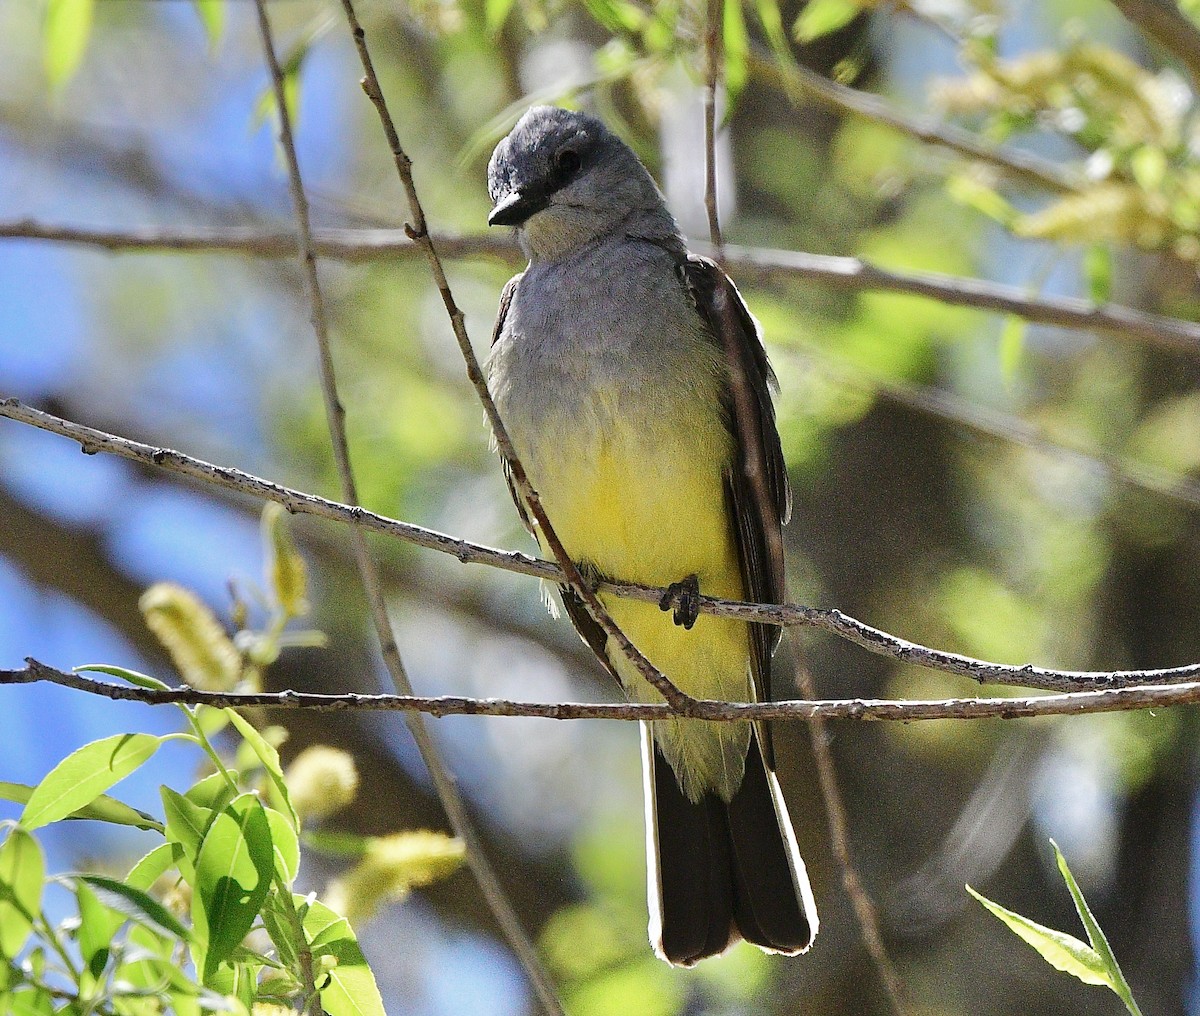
{"x":1009,"y":491}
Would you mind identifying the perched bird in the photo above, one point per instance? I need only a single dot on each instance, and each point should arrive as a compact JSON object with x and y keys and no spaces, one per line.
{"x":608,"y":369}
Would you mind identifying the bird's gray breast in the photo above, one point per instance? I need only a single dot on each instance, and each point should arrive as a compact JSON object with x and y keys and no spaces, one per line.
{"x":606,"y":343}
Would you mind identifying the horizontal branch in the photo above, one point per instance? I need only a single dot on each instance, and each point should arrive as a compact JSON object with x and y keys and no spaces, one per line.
{"x":784,"y":615}
{"x":746,"y":263}
{"x":1069,"y":704}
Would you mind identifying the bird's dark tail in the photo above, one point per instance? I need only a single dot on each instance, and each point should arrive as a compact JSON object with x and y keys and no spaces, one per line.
{"x":718,"y":872}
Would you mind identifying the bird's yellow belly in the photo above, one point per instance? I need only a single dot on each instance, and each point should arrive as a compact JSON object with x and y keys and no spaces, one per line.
{"x":649,"y":506}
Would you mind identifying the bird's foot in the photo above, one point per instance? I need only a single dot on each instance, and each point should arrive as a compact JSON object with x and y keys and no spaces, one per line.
{"x":683,"y":598}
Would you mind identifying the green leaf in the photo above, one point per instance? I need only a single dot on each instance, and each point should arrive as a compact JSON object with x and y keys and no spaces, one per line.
{"x":270,"y":760}
{"x":495,"y":13}
{"x":84,"y":775}
{"x":286,"y":845}
{"x":820,"y":17}
{"x":28,"y":1002}
{"x":1098,"y":269}
{"x":65,"y":35}
{"x":1012,"y":346}
{"x":233,"y":874}
{"x":154,"y":865}
{"x":186,"y":822}
{"x":1062,"y":951}
{"x":349,"y":988}
{"x":336,"y":843}
{"x":279,"y":927}
{"x":132,"y":676}
{"x":737,"y":53}
{"x":135,"y":904}
{"x":1095,"y":934}
{"x":772,"y":22}
{"x":98,"y":923}
{"x":212,"y":17}
{"x":969,"y":190}
{"x":103,"y":809}
{"x":22,"y":872}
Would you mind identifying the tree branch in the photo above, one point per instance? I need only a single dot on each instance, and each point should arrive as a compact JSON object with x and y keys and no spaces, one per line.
{"x":828,"y":620}
{"x":752,"y":264}
{"x":419,"y":233}
{"x":799,"y":82}
{"x":1077,"y":703}
{"x":1167,"y":25}
{"x":440,"y":775}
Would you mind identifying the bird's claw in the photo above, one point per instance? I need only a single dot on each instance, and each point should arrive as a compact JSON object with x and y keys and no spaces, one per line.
{"x":683,"y":598}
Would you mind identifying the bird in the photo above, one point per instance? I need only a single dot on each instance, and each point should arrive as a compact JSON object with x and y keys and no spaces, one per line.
{"x":608,"y":370}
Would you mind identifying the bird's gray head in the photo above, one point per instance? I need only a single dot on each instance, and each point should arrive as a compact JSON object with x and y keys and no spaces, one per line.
{"x":564,"y":179}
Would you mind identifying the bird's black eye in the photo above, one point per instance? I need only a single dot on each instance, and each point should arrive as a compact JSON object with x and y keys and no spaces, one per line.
{"x":567,"y":163}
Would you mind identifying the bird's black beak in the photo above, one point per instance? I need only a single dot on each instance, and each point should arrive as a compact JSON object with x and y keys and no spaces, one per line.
{"x":516,"y":207}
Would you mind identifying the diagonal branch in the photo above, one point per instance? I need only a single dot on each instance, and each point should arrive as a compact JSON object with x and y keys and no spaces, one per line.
{"x":828,"y":620}
{"x":800,"y":82}
{"x":419,"y":233}
{"x":752,"y":264}
{"x":1167,"y":25}
{"x":1077,"y":703}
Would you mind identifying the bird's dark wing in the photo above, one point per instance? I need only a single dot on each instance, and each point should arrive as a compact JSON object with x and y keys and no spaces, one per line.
{"x":720,"y":305}
{"x":584,"y":623}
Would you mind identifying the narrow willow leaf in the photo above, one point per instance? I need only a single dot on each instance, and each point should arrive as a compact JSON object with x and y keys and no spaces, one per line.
{"x":270,"y":760}
{"x":495,"y":13}
{"x":135,"y":904}
{"x":103,"y":809}
{"x":154,"y":865}
{"x":65,"y":34}
{"x":1098,"y":270}
{"x":132,"y":676}
{"x":233,"y":875}
{"x":22,"y":872}
{"x":1095,"y":934}
{"x":98,"y":923}
{"x":821,"y":17}
{"x":212,"y":17}
{"x":349,"y":988}
{"x":29,"y":1002}
{"x":84,"y":775}
{"x":286,"y":845}
{"x":1062,"y":951}
{"x":186,"y":821}
{"x":1012,"y":346}
{"x":737,"y":54}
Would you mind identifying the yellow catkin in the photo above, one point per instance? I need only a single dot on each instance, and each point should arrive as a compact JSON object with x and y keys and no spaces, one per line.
{"x":391,"y":866}
{"x":321,"y":780}
{"x":199,"y":647}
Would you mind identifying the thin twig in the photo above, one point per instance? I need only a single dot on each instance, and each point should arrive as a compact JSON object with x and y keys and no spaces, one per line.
{"x":800,"y":82}
{"x":1079,"y":703}
{"x":418,"y":231}
{"x":755,"y":471}
{"x":999,"y":426}
{"x":752,"y":264}
{"x":829,"y":620}
{"x":1167,"y":25}
{"x":443,"y":780}
{"x":839,"y":837}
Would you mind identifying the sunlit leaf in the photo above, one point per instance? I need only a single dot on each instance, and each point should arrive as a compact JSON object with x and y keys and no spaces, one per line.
{"x":102,"y":809}
{"x":1062,"y":951}
{"x":212,"y":17}
{"x":1097,"y":269}
{"x":737,"y":53}
{"x":1012,"y":345}
{"x":348,"y":988}
{"x":132,"y":676}
{"x":135,"y":904}
{"x":28,"y":1002}
{"x":22,"y":872}
{"x":270,"y":759}
{"x":84,"y":775}
{"x":234,"y":869}
{"x":286,"y":845}
{"x":495,"y":13}
{"x":66,"y":30}
{"x":1095,"y":934}
{"x":820,"y":17}
{"x":98,"y":923}
{"x":154,"y":865}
